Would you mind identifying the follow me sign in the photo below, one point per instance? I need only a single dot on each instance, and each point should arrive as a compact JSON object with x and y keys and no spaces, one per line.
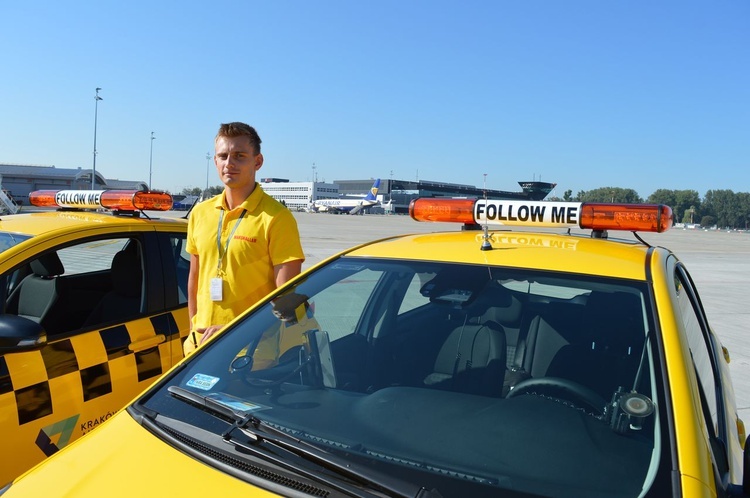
{"x":542,"y":214}
{"x":86,"y":199}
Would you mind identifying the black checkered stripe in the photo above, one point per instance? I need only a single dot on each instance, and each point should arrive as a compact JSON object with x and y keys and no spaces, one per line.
{"x":35,"y":401}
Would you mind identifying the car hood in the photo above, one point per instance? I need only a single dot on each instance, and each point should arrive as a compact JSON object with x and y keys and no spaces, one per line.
{"x":121,"y":458}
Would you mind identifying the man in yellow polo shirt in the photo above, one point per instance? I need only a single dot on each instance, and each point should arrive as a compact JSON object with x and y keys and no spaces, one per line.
{"x":243,"y":243}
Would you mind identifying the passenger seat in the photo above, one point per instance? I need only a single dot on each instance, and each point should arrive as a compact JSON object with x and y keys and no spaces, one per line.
{"x":472,"y":358}
{"x":39,"y":292}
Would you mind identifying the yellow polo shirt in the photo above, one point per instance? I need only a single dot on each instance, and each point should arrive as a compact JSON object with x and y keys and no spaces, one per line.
{"x":264,"y":237}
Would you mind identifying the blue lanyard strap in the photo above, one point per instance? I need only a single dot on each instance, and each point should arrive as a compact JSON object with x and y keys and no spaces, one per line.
{"x":218,"y":237}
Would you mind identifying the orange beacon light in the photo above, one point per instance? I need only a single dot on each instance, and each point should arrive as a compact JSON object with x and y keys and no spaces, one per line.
{"x":594,"y":216}
{"x":118,"y":200}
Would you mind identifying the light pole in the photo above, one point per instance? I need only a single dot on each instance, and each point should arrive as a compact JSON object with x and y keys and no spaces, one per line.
{"x":97,"y":98}
{"x":150,"y":160}
{"x":208,"y":162}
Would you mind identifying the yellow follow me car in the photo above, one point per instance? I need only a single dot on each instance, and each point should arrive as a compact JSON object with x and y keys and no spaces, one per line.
{"x":94,"y":309}
{"x":473,"y":363}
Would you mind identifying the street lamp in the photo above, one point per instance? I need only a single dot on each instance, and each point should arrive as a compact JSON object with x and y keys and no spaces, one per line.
{"x":97,"y":98}
{"x":208,"y":159}
{"x":150,"y":160}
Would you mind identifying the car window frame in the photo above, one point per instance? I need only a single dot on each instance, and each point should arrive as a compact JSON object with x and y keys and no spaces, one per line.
{"x":717,"y":428}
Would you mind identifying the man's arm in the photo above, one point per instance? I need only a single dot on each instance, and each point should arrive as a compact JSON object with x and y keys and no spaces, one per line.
{"x":193,"y":301}
{"x":285,"y":271}
{"x":192,"y":286}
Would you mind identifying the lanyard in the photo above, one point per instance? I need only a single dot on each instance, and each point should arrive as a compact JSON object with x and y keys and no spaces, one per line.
{"x":218,"y":238}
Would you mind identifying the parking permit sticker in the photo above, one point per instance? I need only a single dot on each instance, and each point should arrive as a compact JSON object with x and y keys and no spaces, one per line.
{"x":203,"y":382}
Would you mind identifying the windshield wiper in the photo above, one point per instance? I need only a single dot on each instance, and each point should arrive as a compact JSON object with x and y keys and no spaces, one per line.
{"x":259,"y":431}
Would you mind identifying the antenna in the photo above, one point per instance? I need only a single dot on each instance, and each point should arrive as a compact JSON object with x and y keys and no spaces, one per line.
{"x":486,"y":245}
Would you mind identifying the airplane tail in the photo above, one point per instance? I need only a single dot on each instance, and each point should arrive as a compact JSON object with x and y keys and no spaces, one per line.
{"x":373,"y":195}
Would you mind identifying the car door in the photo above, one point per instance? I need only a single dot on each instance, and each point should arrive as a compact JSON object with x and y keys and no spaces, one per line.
{"x":114,"y":323}
{"x":709,"y":363}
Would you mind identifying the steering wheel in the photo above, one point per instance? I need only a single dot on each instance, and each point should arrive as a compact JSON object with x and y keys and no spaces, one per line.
{"x":564,"y":389}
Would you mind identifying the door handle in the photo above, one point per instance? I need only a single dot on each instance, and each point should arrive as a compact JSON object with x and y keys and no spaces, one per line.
{"x":148,"y":343}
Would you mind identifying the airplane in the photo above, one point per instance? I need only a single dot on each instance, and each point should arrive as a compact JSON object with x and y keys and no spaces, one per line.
{"x":348,"y":205}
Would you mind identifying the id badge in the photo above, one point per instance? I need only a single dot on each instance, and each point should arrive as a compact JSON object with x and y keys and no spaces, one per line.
{"x":216,"y":288}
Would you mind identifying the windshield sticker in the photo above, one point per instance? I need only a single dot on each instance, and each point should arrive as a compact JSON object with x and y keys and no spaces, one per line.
{"x":203,"y":382}
{"x":236,"y":404}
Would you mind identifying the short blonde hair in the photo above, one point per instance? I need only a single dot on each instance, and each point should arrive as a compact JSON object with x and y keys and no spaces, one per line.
{"x":238,"y":129}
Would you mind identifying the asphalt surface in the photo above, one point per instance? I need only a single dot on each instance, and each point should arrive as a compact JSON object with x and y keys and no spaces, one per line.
{"x":718,"y":261}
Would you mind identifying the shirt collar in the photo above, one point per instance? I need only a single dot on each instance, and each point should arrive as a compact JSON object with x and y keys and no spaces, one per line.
{"x":249,"y":204}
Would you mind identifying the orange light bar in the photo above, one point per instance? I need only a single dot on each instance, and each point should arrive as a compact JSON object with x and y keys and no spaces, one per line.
{"x":43,"y":198}
{"x":632,"y":217}
{"x":594,"y":216}
{"x":122,"y":200}
{"x":131,"y":200}
{"x":450,"y":210}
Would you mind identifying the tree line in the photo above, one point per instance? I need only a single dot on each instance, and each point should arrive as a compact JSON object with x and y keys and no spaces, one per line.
{"x":720,"y":208}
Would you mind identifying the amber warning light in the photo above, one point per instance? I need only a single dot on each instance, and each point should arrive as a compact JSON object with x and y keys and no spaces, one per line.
{"x":586,"y":215}
{"x":118,"y":200}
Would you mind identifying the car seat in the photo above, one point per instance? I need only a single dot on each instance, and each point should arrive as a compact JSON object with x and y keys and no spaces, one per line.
{"x":124,"y":300}
{"x":39,"y":292}
{"x":472,"y":358}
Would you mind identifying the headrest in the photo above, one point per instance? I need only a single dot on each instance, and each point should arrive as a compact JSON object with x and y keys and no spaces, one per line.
{"x":616,"y":318}
{"x":506,"y":312}
{"x":126,"y":273}
{"x":492,"y":295}
{"x":614,"y":305}
{"x":47,"y":265}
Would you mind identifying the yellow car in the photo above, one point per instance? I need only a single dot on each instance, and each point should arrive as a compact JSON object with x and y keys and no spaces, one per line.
{"x":94,"y":309}
{"x":550,"y":360}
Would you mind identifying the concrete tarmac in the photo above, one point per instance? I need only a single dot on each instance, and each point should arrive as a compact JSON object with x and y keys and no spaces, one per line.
{"x":718,"y":261}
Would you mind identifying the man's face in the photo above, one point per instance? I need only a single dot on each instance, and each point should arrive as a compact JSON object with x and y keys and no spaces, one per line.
{"x":236,"y":161}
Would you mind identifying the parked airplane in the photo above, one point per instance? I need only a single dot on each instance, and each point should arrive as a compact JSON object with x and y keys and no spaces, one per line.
{"x":348,"y":205}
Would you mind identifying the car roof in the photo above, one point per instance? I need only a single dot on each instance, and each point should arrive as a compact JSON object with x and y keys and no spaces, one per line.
{"x":44,"y":222}
{"x":539,"y":250}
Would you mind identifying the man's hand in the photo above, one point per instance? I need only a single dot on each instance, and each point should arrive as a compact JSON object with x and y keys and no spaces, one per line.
{"x":208,"y":332}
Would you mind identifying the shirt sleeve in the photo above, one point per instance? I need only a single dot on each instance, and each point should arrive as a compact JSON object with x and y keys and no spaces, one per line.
{"x":190,"y":247}
{"x":284,"y":239}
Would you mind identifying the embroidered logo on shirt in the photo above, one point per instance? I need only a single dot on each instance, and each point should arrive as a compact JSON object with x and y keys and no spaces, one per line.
{"x":246,"y":239}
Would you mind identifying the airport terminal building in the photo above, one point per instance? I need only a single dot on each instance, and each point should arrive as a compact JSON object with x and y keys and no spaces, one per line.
{"x":20,"y":180}
{"x":394,"y":196}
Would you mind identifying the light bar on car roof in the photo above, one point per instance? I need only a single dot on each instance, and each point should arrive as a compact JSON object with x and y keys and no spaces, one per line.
{"x":118,"y":200}
{"x":586,"y":215}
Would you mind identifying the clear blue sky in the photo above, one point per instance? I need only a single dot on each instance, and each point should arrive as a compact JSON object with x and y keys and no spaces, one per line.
{"x":587,"y":94}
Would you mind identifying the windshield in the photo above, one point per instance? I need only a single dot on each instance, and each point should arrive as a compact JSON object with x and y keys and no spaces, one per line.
{"x":8,"y":239}
{"x":463,"y":379}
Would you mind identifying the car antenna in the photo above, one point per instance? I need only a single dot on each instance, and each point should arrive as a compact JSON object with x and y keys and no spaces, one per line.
{"x":486,"y":246}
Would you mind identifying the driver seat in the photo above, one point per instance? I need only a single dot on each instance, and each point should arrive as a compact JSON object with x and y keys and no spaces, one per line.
{"x":124,"y":300}
{"x":607,"y":353}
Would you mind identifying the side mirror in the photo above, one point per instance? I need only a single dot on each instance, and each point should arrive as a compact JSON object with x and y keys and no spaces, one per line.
{"x":20,"y":334}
